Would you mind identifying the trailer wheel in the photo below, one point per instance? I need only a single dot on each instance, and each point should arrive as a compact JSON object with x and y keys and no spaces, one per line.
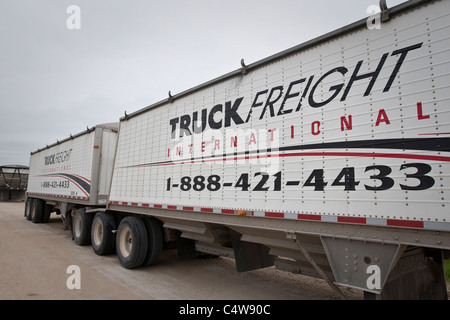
{"x":102,"y":237}
{"x":27,"y":213}
{"x":37,"y":209}
{"x":48,"y":209}
{"x":81,"y":227}
{"x":154,"y":241}
{"x":131,"y":242}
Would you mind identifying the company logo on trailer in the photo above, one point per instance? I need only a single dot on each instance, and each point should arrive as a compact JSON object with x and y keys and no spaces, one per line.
{"x":273,"y":101}
{"x":197,"y":139}
{"x":59,"y":157}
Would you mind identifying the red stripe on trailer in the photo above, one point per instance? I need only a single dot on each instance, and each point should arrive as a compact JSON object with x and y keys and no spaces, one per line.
{"x":352,"y":220}
{"x":405,"y":223}
{"x":57,"y":196}
{"x":274,"y":214}
{"x":300,"y":216}
{"x":307,"y":154}
{"x":315,"y":217}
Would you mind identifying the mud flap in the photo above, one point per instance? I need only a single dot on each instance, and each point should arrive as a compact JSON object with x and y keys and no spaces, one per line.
{"x":418,"y":275}
{"x":66,"y":214}
{"x":250,"y":256}
{"x":361,"y":264}
{"x":186,"y":249}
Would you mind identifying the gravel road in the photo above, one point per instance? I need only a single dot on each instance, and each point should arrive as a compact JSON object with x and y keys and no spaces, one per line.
{"x":35,"y":259}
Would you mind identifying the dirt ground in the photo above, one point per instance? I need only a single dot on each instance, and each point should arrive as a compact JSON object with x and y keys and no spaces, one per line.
{"x":35,"y":257}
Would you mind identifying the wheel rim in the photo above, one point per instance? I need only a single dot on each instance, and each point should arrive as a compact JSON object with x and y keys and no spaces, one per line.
{"x":98,"y":232}
{"x":125,"y":242}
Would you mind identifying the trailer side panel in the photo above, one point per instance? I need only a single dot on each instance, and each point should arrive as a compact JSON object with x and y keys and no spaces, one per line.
{"x":351,"y":130}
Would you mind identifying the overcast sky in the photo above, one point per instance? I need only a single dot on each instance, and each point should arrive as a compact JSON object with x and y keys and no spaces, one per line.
{"x":127,"y":55}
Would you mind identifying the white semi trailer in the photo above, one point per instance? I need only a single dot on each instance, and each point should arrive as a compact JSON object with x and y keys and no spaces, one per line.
{"x":73,"y":173}
{"x":330,"y":159}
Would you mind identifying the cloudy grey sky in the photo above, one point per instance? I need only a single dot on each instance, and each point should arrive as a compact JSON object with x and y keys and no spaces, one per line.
{"x":55,"y":81}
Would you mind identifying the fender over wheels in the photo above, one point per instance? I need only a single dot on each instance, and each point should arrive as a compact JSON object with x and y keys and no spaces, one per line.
{"x":81,"y":227}
{"x":131,"y":242}
{"x":102,"y":237}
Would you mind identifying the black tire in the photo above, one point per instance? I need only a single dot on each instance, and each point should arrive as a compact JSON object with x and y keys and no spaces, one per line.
{"x":81,"y":227}
{"x":102,"y":237}
{"x":131,"y":242}
{"x":37,"y":210}
{"x":27,"y":212}
{"x":154,"y":241}
{"x":48,"y":209}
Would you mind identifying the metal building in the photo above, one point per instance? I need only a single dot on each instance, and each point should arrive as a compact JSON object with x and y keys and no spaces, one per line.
{"x":13,"y":182}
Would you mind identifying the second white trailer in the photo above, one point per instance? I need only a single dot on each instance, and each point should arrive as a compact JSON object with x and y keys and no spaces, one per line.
{"x":72,"y":173}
